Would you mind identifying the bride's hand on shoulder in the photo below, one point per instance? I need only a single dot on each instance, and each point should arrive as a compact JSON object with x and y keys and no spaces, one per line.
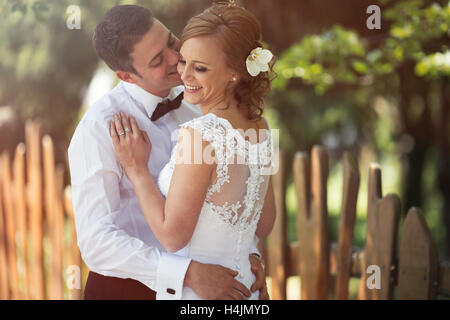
{"x":131,"y":144}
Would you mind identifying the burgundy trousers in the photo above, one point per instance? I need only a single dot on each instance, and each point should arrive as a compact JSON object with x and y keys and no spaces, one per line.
{"x":99,"y":287}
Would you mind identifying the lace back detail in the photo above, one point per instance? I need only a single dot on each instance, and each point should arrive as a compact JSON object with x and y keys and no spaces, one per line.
{"x":237,"y":194}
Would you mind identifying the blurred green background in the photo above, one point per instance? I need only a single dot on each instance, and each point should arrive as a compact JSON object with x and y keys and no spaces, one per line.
{"x":382,"y":94}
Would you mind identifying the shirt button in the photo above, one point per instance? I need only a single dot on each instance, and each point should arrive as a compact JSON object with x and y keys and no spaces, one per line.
{"x":170,"y":291}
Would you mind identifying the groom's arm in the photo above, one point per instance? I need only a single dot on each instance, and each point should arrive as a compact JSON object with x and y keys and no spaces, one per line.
{"x":105,"y":247}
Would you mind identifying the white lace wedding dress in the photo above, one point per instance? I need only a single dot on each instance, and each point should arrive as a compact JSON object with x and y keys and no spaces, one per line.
{"x":228,"y":219}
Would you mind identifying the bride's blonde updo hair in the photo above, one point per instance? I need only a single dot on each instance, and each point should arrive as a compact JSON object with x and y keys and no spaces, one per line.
{"x":239,"y":32}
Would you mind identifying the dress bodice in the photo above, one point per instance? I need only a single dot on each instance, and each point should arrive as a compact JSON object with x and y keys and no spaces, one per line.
{"x":230,"y":213}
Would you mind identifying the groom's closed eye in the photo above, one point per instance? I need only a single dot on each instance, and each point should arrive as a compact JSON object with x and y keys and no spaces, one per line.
{"x":156,"y":61}
{"x":159,"y":58}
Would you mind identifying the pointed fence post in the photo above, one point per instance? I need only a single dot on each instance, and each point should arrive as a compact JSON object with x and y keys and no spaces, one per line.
{"x":346,"y":226}
{"x":314,"y":254}
{"x":418,"y":260}
{"x":383,"y":215}
{"x":8,"y":193}
{"x":277,"y":240}
{"x":34,"y":199}
{"x":20,"y":207}
{"x":74,"y":251}
{"x":54,"y":214}
{"x":4,"y":273}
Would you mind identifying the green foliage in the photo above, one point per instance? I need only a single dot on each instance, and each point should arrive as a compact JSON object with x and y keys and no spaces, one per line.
{"x":340,"y":56}
{"x":434,"y":65}
{"x":322,"y":60}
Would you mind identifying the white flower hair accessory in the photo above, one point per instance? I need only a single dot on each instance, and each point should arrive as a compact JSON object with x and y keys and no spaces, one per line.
{"x":258,"y":61}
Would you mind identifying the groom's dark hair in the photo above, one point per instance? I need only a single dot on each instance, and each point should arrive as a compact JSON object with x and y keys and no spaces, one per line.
{"x":121,"y":28}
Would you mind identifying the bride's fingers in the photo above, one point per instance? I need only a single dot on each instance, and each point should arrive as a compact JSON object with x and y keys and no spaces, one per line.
{"x":260,"y":280}
{"x":118,"y":125}
{"x":113,"y":133}
{"x":134,"y":126}
{"x":145,"y":136}
{"x":126,"y":124}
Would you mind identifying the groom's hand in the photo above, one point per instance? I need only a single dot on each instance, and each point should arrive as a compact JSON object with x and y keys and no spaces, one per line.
{"x":214,"y":282}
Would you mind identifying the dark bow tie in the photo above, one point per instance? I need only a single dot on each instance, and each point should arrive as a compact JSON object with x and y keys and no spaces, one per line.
{"x":166,"y":106}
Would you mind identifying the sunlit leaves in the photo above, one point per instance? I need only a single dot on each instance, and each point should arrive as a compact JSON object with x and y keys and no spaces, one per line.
{"x":419,"y":32}
{"x":321,"y":60}
{"x":360,"y":67}
{"x":434,"y":65}
{"x":402,"y":32}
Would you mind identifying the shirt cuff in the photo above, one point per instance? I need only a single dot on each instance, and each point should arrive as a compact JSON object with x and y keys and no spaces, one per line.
{"x":254,"y":247}
{"x":170,"y":276}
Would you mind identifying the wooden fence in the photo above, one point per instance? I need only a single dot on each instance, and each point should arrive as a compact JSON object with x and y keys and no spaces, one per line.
{"x":39,"y":256}
{"x":407,"y":270}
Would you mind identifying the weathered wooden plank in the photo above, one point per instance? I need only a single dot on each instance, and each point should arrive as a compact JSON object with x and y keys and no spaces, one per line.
{"x":75,"y":255}
{"x":312,"y":223}
{"x":8,"y":194}
{"x":49,"y":205}
{"x":418,"y":260}
{"x":357,"y":262}
{"x":292,"y":260}
{"x":4,"y":282}
{"x":444,"y":278}
{"x":58,"y":236}
{"x":54,"y":217}
{"x":277,"y":240}
{"x":34,"y":199}
{"x":346,"y":226}
{"x":21,"y":218}
{"x":383,"y":216}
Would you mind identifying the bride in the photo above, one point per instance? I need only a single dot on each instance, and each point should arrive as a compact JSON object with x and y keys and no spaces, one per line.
{"x":214,"y":193}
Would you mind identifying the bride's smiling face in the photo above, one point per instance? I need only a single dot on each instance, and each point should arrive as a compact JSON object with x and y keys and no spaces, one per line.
{"x":203,"y":70}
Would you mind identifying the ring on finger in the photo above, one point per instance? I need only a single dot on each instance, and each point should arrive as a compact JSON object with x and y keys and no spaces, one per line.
{"x":121,"y":133}
{"x":127,"y":129}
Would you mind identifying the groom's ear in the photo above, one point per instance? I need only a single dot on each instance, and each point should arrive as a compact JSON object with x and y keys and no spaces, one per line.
{"x":125,"y":76}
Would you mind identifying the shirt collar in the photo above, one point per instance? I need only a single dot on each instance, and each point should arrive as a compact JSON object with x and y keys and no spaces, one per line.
{"x":146,"y":99}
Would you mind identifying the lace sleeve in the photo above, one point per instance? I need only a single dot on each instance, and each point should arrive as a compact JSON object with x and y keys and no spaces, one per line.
{"x":210,"y":129}
{"x":214,"y":132}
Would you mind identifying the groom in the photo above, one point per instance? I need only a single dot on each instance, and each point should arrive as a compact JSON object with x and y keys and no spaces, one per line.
{"x":125,"y":259}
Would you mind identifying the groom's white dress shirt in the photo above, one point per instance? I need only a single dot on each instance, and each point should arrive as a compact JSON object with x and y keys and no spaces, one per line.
{"x":112,"y":233}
